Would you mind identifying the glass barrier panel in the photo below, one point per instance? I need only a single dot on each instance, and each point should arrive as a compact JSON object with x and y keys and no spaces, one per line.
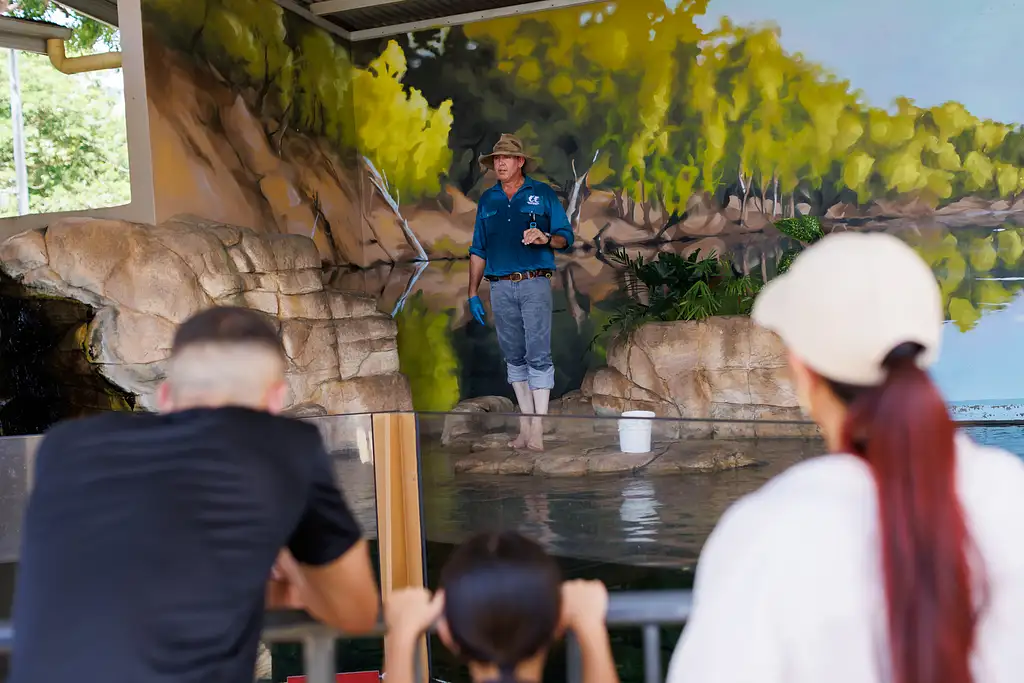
{"x":585,"y":497}
{"x":636,"y":520}
{"x":17,"y":457}
{"x":349,"y":441}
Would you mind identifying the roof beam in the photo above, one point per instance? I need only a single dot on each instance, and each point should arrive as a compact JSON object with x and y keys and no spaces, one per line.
{"x":335,"y":6}
{"x":468,"y":18}
{"x":328,"y":26}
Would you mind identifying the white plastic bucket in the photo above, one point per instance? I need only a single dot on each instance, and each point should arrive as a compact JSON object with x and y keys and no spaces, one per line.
{"x":635,"y":431}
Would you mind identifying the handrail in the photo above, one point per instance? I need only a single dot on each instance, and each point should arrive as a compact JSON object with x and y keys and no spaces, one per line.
{"x":649,"y":610}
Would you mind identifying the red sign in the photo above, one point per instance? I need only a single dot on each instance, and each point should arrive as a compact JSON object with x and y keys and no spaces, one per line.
{"x":357,"y":677}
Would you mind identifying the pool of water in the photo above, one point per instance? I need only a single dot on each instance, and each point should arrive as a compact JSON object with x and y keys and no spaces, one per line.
{"x":654,"y":521}
{"x":640,"y":520}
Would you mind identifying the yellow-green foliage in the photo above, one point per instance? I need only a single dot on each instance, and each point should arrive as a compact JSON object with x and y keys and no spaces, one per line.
{"x":397,"y":130}
{"x":674,"y":108}
{"x":299,"y":72}
{"x":977,"y":269}
{"x":426,"y":355}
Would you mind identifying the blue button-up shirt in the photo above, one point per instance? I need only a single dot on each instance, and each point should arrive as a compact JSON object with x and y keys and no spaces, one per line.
{"x":501,"y":222}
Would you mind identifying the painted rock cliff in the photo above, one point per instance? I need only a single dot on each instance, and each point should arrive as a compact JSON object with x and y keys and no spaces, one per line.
{"x":140,"y":282}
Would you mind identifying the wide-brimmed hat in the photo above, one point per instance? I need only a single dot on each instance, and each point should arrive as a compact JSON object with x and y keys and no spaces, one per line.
{"x":848,"y":301}
{"x":509,"y":146}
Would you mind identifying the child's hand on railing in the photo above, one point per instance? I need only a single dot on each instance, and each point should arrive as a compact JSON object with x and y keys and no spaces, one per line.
{"x":584,"y":604}
{"x":584,"y":610}
{"x":412,"y":611}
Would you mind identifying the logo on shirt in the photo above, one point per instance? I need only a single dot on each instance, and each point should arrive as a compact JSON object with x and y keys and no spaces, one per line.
{"x":533,"y":200}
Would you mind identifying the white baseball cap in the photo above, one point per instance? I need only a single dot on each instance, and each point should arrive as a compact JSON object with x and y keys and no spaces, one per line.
{"x":850,"y":299}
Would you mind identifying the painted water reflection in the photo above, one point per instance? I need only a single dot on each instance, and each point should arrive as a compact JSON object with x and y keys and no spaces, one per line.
{"x":979,"y":266}
{"x":640,"y":520}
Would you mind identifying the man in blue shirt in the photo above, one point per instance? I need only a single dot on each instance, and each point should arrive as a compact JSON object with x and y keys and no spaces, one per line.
{"x":519,"y":224}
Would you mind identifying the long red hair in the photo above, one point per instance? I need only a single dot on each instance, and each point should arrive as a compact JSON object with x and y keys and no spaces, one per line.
{"x":904,"y":432}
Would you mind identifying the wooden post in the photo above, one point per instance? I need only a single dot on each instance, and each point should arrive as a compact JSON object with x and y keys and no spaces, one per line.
{"x":399,"y":519}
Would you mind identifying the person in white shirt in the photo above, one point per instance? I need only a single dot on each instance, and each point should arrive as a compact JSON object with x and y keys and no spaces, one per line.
{"x":899,"y":557}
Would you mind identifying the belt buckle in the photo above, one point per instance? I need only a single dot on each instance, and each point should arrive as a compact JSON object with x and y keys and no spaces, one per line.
{"x":516,"y":277}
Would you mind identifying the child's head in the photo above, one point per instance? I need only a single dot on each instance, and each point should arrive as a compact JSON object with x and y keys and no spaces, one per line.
{"x":502,"y":600}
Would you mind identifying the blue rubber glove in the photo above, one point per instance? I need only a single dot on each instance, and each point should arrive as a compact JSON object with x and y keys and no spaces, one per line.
{"x":476,"y":307}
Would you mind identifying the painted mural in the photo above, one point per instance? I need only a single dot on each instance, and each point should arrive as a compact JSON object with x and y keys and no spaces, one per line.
{"x":676,"y":126}
{"x":666,"y":127}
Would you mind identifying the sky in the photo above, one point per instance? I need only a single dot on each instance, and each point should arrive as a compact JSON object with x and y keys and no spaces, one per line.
{"x":929,"y":50}
{"x":986,"y":362}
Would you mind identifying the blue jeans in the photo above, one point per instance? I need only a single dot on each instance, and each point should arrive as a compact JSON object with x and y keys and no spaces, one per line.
{"x":522,"y":318}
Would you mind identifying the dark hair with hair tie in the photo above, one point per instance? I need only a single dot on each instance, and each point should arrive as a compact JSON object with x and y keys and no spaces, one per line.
{"x":903,"y":430}
{"x":502,"y":600}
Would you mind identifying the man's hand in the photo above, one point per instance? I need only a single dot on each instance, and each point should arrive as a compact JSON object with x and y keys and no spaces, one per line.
{"x":476,"y":308}
{"x":411,"y":611}
{"x":284,"y":587}
{"x":535,"y":236}
{"x":584,"y":605}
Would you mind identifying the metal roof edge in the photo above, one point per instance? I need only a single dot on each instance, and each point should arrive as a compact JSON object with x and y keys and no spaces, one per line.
{"x":467,"y":18}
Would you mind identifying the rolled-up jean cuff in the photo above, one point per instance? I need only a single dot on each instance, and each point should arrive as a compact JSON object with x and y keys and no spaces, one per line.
{"x":542,"y":379}
{"x":517,"y":373}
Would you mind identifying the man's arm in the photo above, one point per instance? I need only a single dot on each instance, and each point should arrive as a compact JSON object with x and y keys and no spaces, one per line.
{"x":560,"y":236}
{"x":476,"y":274}
{"x":561,"y":230}
{"x":332,"y":572}
{"x":559,"y":242}
{"x":477,"y":254}
{"x":342,"y":594}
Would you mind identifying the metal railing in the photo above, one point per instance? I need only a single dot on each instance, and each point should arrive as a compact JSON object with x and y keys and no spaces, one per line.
{"x":649,"y":610}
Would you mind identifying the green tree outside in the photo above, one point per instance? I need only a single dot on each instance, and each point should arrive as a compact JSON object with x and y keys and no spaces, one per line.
{"x":76,"y":147}
{"x":88,"y":34}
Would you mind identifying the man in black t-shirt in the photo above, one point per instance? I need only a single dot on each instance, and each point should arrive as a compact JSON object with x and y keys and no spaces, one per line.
{"x":149,"y":539}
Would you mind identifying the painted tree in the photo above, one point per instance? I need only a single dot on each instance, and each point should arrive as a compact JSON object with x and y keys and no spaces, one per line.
{"x":246,"y":41}
{"x":402,"y":140}
{"x":323,"y":102}
{"x":978,"y":270}
{"x":181,"y":21}
{"x":612,"y":70}
{"x":638,"y":100}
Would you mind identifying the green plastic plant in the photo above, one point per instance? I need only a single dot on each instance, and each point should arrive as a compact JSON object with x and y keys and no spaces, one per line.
{"x":805,"y":229}
{"x":678,"y":288}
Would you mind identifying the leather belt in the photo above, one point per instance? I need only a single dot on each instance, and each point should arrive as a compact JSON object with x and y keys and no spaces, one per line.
{"x":517,"y":277}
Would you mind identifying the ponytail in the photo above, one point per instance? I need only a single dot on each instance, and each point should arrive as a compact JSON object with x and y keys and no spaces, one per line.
{"x":904,"y":432}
